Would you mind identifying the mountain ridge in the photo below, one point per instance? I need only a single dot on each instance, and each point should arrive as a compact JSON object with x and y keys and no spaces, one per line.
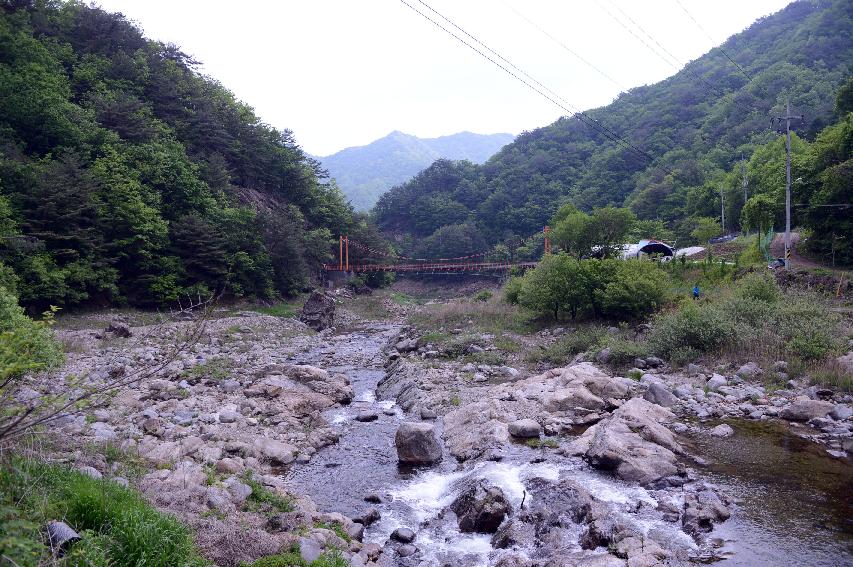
{"x":364,"y":172}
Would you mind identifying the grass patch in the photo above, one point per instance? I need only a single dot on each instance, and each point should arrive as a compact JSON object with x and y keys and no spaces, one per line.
{"x":507,"y":344}
{"x":635,"y":374}
{"x":335,"y":527}
{"x":492,"y":315}
{"x":282,"y":309}
{"x":128,"y":461}
{"x":455,"y":401}
{"x":117,"y":526}
{"x":832,"y":375}
{"x":263,"y":499}
{"x":487,"y":357}
{"x":216,"y":369}
{"x":540,"y":443}
{"x":291,"y":558}
{"x":402,"y":298}
{"x":565,"y":348}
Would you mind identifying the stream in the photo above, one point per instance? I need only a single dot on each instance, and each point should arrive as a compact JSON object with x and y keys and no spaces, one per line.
{"x":794,"y":501}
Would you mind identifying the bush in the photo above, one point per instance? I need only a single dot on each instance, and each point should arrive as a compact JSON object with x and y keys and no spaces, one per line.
{"x":759,"y":287}
{"x":621,"y":289}
{"x":624,"y":351}
{"x":119,"y":528}
{"x":512,"y":289}
{"x":637,"y":288}
{"x":24,"y":344}
{"x":699,"y":326}
{"x":483,"y":295}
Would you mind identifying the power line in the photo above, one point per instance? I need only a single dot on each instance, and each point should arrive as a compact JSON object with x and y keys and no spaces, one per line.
{"x":698,"y":25}
{"x":564,"y":46}
{"x":579,"y":115}
{"x":678,"y":66}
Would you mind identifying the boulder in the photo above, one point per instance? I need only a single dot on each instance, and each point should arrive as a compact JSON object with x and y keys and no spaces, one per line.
{"x":335,"y":386}
{"x":702,"y":510}
{"x":722,"y":430}
{"x":319,"y":311}
{"x":841,"y":412}
{"x":716,"y":381}
{"x":417,"y":444}
{"x":480,"y":507}
{"x":275,"y":451}
{"x":632,"y":442}
{"x":525,"y":428}
{"x":749,"y":370}
{"x":474,"y":429}
{"x":658,"y":394}
{"x":804,"y":409}
{"x":403,"y":535}
{"x":228,"y":416}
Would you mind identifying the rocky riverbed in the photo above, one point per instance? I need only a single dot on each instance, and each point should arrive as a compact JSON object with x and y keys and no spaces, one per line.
{"x":500,"y":465}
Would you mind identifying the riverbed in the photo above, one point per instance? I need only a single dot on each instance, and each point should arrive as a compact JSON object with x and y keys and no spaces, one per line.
{"x":793,"y":503}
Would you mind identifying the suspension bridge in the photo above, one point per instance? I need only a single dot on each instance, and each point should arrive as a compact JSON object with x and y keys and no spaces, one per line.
{"x":372,"y":260}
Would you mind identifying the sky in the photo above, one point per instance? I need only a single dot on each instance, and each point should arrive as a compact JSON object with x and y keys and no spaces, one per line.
{"x":342,"y":73}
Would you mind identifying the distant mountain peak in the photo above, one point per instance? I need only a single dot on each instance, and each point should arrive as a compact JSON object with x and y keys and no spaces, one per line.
{"x":365,"y":172}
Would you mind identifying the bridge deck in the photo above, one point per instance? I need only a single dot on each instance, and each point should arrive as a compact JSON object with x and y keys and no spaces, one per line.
{"x":433,"y":267}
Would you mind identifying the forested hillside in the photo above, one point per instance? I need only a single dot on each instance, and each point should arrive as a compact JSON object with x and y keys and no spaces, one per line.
{"x":127,"y":176}
{"x":363,"y":173}
{"x":695,"y":125}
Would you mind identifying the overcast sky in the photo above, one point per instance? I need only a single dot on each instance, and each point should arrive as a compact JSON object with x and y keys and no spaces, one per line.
{"x":343,"y":73}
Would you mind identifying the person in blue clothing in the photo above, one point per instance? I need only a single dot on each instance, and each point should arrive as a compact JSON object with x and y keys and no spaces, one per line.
{"x":696,"y":291}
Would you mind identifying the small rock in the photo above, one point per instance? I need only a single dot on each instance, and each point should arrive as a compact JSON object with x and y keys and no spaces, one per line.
{"x":525,"y":428}
{"x":229,"y":386}
{"x":841,"y":412}
{"x":716,"y":381}
{"x":309,"y":549}
{"x":120,"y":480}
{"x":90,"y":471}
{"x":428,"y":414}
{"x":403,"y":535}
{"x":658,"y":394}
{"x":366,"y":416}
{"x":722,"y":430}
{"x":654,"y":362}
{"x":373,"y":499}
{"x":369,"y":517}
{"x":228,"y":416}
{"x":406,"y":550}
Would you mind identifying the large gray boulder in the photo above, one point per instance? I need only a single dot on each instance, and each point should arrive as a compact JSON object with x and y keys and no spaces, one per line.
{"x":417,"y":444}
{"x":804,"y":409}
{"x":525,"y":428}
{"x":658,"y":394}
{"x":480,"y":507}
{"x":319,"y":311}
{"x":633,"y":442}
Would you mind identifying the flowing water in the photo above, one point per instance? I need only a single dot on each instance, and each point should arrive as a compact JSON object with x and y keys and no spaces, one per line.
{"x":795,"y":504}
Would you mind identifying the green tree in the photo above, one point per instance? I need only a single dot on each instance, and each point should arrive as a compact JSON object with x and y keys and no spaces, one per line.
{"x":554,"y":287}
{"x":705,"y":228}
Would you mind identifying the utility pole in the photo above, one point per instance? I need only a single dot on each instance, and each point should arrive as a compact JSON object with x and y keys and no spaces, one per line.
{"x":787,"y":118}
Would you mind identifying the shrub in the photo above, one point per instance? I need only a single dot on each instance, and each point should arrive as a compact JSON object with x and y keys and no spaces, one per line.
{"x":680,"y":356}
{"x":759,"y":287}
{"x":263,"y":499}
{"x":702,"y":327}
{"x":624,"y":351}
{"x":637,"y":288}
{"x":24,"y":344}
{"x":512,"y":289}
{"x":483,"y":295}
